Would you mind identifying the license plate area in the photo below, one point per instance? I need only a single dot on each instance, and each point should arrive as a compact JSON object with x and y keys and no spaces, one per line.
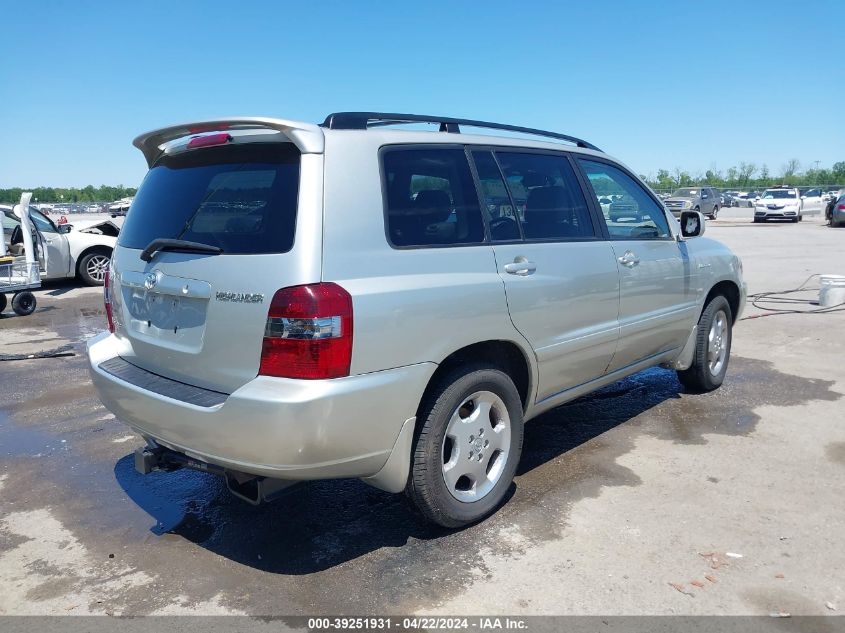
{"x":166,"y":319}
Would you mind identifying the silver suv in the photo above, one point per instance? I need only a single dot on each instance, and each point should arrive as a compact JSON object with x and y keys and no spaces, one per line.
{"x":290,"y":301}
{"x":703,"y":199}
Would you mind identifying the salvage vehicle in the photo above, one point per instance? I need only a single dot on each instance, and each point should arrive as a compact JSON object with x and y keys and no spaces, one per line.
{"x":290,"y":301}
{"x":704,"y":199}
{"x":81,"y":250}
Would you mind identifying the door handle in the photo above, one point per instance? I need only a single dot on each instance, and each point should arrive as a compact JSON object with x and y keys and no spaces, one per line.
{"x":520,"y":266}
{"x":629,"y":259}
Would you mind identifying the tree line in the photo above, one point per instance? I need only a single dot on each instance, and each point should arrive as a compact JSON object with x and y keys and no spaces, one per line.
{"x":103,"y":193}
{"x":750,"y":176}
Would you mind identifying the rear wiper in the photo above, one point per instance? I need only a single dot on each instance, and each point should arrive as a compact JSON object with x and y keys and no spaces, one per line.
{"x":178,"y":246}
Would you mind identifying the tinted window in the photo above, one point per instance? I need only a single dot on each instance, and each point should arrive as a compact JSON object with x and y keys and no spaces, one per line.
{"x":549,"y":202}
{"x":431,"y":198}
{"x":501,"y":216}
{"x":632,"y":213}
{"x":241,"y":198}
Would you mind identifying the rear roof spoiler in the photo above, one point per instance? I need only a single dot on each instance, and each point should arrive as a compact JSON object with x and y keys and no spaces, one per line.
{"x":306,"y":136}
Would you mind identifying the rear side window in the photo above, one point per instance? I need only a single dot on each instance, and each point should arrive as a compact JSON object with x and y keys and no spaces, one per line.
{"x":549,"y":201}
{"x":430,"y":198}
{"x":241,"y":198}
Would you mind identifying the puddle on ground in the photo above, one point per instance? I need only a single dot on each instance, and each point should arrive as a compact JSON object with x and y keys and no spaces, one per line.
{"x":17,"y":441}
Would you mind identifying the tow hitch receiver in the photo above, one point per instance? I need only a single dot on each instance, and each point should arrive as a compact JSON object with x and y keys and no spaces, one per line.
{"x":250,"y":488}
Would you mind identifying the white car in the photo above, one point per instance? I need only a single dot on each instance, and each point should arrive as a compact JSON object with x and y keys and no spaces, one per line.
{"x":80,"y":250}
{"x":782,"y":203}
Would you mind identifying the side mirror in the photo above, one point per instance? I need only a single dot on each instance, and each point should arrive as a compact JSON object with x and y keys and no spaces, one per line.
{"x":692,"y":224}
{"x":65,"y":228}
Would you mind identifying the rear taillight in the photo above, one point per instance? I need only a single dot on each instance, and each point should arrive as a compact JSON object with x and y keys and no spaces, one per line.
{"x":308,"y":333}
{"x":107,"y":298}
{"x":841,"y":207}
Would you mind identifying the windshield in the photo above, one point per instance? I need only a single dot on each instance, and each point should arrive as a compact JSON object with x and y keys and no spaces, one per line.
{"x":240,"y":198}
{"x":778,"y":193}
{"x":685,"y":193}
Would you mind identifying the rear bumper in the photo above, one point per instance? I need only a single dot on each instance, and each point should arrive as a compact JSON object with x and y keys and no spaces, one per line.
{"x":274,"y":427}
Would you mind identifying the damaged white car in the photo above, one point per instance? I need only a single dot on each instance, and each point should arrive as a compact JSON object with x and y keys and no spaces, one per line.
{"x":80,"y":250}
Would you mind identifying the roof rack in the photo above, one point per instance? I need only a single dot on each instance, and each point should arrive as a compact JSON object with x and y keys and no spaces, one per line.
{"x":364,"y":120}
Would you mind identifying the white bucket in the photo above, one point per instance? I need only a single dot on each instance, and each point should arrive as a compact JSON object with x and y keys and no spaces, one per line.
{"x":832,"y":291}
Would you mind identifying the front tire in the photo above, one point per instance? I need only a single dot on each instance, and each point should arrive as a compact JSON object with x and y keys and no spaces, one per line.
{"x":3,"y":302}
{"x":712,"y":348}
{"x":93,"y":266}
{"x":467,"y":447}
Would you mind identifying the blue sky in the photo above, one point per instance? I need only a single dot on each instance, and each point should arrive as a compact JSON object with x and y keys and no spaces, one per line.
{"x":656,"y":84}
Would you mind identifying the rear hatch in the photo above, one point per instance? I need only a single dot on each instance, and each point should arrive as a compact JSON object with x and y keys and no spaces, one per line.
{"x":196,"y":311}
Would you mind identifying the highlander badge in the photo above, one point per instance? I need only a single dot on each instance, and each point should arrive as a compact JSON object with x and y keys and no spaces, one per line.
{"x":239,"y":297}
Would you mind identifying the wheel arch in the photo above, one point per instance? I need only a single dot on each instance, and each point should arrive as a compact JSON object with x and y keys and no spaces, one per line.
{"x":501,"y":354}
{"x":730,"y":291}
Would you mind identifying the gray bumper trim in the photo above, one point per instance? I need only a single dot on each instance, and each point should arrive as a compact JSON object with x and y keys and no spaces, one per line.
{"x":176,"y":390}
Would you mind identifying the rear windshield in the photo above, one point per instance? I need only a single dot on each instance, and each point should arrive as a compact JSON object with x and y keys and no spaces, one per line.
{"x":241,"y":198}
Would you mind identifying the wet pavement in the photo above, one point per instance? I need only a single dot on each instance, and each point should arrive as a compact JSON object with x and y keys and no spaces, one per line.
{"x":618,"y":493}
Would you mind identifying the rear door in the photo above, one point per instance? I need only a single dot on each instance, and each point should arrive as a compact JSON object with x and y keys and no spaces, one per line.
{"x":560,"y":277}
{"x":197,"y":317}
{"x":657,"y":305}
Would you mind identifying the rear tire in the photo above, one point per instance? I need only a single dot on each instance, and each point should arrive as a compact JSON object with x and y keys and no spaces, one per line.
{"x":3,"y":302}
{"x":715,"y":213}
{"x":459,"y":473}
{"x":712,"y":348}
{"x":23,"y":303}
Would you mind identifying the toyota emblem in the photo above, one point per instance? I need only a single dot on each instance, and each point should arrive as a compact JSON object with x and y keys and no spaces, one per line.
{"x":150,"y":281}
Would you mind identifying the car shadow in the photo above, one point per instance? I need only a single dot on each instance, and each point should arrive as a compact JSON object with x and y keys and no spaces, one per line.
{"x":58,"y":287}
{"x":318,"y":525}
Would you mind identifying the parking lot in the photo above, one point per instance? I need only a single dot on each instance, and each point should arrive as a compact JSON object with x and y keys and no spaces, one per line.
{"x":638,"y":499}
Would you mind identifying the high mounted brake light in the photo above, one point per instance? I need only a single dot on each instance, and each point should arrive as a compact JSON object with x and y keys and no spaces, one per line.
{"x":308,"y":333}
{"x":209,"y":140}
